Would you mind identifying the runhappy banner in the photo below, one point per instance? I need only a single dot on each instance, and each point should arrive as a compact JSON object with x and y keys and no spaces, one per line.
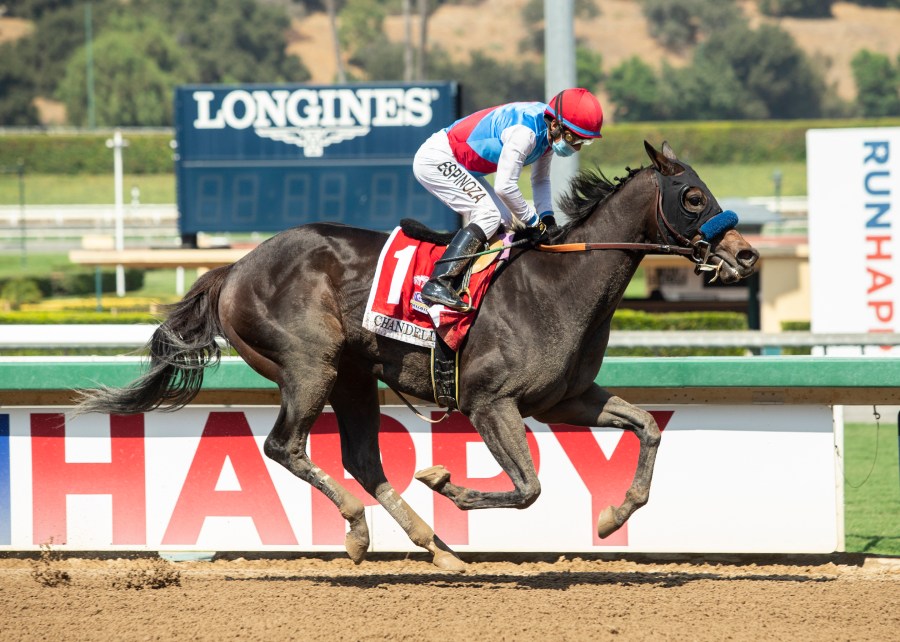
{"x":854,"y":201}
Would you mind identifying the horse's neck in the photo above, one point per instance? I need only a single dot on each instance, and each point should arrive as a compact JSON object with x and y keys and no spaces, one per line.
{"x":627,"y":216}
{"x":593,"y":284}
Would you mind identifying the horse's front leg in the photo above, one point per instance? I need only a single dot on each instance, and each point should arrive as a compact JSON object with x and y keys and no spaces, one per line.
{"x":598,"y":407}
{"x":503,"y":431}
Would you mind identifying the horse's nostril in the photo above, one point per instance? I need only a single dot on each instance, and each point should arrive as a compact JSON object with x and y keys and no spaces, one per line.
{"x":748,"y":257}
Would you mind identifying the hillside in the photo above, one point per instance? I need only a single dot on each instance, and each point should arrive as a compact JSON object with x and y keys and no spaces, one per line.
{"x":618,"y":33}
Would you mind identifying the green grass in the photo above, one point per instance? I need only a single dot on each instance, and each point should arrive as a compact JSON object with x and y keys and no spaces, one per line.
{"x":60,"y":189}
{"x":744,"y":181}
{"x":872,"y":493}
{"x":36,"y":263}
{"x":158,"y":284}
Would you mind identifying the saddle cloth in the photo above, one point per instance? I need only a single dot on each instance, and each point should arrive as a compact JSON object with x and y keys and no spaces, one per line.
{"x":395,"y":308}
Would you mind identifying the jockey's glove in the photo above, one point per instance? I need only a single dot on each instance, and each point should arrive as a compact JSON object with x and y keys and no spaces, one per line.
{"x":535,"y":234}
{"x":550,"y":222}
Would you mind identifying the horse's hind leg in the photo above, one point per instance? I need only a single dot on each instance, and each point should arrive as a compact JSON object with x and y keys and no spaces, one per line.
{"x":286,"y":444}
{"x":354,"y":399}
{"x":299,"y":348}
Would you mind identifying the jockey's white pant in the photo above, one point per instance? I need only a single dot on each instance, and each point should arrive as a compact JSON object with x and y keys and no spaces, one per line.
{"x":470,"y":196}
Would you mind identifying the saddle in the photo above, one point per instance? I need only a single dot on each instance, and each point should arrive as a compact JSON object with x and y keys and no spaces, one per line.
{"x":446,"y":344}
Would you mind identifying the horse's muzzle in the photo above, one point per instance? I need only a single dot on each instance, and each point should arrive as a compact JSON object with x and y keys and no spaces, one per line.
{"x":737,"y":259}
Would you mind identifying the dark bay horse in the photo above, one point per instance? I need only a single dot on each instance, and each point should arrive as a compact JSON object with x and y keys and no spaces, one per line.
{"x":293,"y":309}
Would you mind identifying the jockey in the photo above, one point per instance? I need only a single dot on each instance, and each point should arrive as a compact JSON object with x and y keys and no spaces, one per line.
{"x":452,"y":165}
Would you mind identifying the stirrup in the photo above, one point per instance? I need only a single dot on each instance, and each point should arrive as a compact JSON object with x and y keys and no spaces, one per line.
{"x":444,"y":295}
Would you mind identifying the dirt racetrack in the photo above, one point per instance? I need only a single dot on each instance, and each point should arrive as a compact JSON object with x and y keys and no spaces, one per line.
{"x":839,"y":597}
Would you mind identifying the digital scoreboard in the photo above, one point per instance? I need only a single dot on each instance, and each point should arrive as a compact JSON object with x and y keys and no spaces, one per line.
{"x":263,"y":158}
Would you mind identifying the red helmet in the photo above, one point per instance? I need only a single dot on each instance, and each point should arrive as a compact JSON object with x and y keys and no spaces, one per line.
{"x":578,"y":110}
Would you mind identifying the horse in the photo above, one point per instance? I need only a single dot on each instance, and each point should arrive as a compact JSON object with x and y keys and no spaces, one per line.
{"x":293,"y":307}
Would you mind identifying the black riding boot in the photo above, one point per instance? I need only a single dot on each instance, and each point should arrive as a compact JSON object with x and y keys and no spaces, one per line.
{"x":443,"y":285}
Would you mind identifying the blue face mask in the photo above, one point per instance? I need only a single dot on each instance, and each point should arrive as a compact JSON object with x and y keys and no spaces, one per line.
{"x":562,"y":148}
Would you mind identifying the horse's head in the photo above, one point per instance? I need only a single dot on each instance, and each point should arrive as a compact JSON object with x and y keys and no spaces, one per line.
{"x":689,"y":215}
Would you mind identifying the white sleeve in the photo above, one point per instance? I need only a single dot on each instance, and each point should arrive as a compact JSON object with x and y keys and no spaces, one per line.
{"x":540,"y":185}
{"x":518,"y":141}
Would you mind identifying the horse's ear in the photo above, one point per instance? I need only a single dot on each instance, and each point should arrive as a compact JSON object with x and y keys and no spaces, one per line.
{"x":665,"y":161}
{"x":668,"y":152}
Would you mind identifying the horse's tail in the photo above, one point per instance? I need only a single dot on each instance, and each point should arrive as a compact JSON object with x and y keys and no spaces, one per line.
{"x":180,"y":349}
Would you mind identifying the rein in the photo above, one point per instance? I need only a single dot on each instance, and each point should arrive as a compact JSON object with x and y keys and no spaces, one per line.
{"x":697,"y":251}
{"x":653,"y":248}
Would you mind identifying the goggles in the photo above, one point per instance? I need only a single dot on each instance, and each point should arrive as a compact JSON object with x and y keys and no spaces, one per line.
{"x":574,"y":140}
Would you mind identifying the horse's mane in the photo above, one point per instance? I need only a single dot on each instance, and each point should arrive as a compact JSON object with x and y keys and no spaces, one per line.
{"x":588,"y":189}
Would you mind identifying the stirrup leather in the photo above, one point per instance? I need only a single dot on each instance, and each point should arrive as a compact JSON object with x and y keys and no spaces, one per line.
{"x":445,"y":374}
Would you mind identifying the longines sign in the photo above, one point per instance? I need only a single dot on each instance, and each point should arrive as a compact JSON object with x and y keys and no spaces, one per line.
{"x":313,"y":119}
{"x":267,"y":157}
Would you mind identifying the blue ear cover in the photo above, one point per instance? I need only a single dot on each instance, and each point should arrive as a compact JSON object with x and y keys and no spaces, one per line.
{"x":718,"y":225}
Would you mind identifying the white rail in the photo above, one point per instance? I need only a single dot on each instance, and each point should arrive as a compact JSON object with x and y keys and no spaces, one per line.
{"x":746,"y":339}
{"x":86,"y":215}
{"x":75,"y":336}
{"x":136,"y":335}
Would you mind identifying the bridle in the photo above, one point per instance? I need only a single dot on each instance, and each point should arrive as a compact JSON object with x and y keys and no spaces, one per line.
{"x":697,"y":251}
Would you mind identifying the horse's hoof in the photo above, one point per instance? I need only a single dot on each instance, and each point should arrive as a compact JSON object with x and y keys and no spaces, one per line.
{"x":356,"y":549}
{"x":448,"y":561}
{"x":606,"y":524}
{"x":434,"y":477}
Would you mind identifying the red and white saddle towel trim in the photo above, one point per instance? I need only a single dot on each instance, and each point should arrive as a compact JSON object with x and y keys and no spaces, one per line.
{"x":395,"y":308}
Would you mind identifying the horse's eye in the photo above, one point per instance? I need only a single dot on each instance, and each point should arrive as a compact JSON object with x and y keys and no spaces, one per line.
{"x":695,"y":200}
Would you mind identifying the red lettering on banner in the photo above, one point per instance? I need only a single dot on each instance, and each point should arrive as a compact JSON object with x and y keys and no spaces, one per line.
{"x":449,"y":439}
{"x":884,"y":310}
{"x":606,"y":479}
{"x":123,"y":478}
{"x":228,"y":435}
{"x":398,"y":459}
{"x":878,"y":280}
{"x":879,"y":252}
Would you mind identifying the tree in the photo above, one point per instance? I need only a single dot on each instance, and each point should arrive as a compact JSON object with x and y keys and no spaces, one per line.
{"x":678,"y":25}
{"x":361,"y":23}
{"x":229,"y":40}
{"x":225,"y":40}
{"x":16,"y":90}
{"x":588,"y":68}
{"x":797,"y":8}
{"x":877,"y":84}
{"x":635,"y":91}
{"x":56,"y":36}
{"x":136,"y":66}
{"x":707,"y":90}
{"x":734,"y":73}
{"x":770,"y":67}
{"x":486,"y":82}
{"x":672,"y":24}
{"x":380,"y":60}
{"x":361,"y":33}
{"x":35,"y":9}
{"x":878,"y":3}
